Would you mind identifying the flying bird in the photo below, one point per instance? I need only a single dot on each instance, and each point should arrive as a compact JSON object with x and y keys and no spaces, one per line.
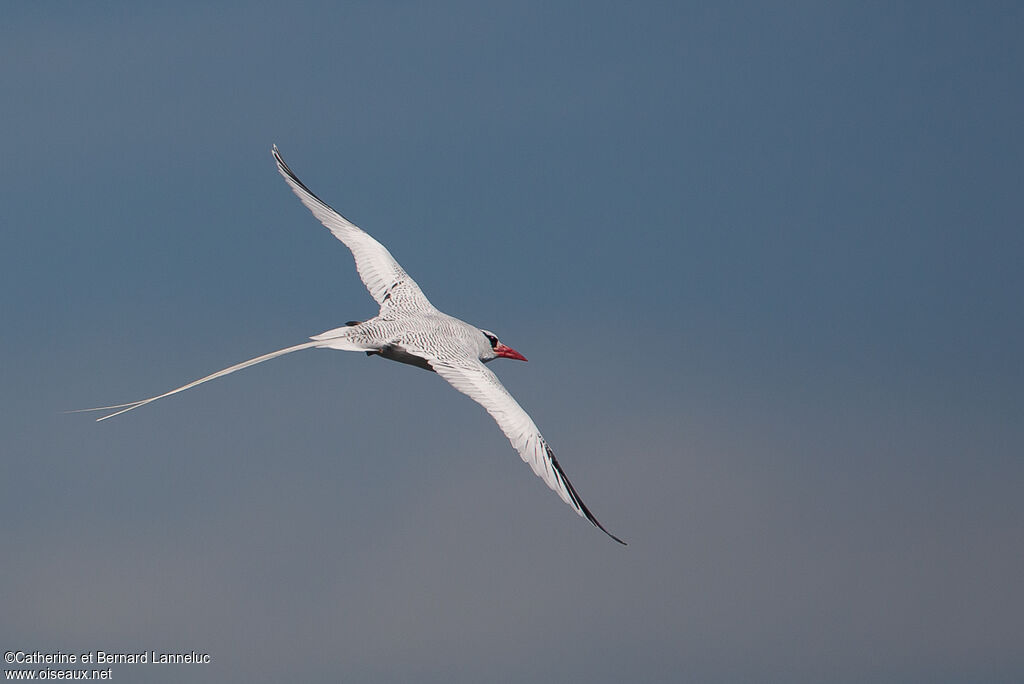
{"x":410,"y":330}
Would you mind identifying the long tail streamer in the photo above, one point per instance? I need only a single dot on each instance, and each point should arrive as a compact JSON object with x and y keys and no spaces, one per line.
{"x":239,"y":366}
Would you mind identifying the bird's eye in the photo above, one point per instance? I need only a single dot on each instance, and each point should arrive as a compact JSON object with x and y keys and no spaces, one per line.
{"x":492,"y":339}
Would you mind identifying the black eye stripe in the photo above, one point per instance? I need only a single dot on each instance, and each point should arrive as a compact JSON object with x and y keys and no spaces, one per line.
{"x":492,"y":339}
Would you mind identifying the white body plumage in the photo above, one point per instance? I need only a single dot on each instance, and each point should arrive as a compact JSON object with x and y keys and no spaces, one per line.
{"x":410,"y":330}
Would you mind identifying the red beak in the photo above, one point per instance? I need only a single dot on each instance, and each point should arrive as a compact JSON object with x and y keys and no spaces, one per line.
{"x":508,"y":353}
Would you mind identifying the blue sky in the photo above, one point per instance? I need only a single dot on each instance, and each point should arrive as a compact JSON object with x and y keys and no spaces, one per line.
{"x":764,"y":261}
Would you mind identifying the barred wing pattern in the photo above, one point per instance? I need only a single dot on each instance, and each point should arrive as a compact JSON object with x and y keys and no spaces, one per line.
{"x":387,"y":281}
{"x":410,"y":330}
{"x":476,"y":381}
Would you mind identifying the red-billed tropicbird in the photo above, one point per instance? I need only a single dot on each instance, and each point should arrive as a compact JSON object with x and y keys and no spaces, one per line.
{"x":410,"y":330}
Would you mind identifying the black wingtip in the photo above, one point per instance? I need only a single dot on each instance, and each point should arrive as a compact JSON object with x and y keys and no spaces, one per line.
{"x":574,"y":495}
{"x":286,"y":170}
{"x":284,"y":167}
{"x":280,"y":161}
{"x":613,"y":536}
{"x":599,"y":526}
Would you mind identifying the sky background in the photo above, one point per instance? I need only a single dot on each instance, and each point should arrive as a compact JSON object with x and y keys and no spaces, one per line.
{"x":765,"y":261}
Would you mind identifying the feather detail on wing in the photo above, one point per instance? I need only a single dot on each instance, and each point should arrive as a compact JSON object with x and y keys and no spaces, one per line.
{"x":477,"y":382}
{"x":387,"y":281}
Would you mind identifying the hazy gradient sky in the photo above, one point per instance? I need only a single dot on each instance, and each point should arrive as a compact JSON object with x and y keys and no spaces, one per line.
{"x":765,"y":260}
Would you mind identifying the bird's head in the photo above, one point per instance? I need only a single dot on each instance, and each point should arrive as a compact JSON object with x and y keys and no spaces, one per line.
{"x":497,"y":349}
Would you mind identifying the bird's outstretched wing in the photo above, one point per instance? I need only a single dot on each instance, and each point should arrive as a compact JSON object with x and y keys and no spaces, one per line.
{"x":477,"y":382}
{"x":386,"y":280}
